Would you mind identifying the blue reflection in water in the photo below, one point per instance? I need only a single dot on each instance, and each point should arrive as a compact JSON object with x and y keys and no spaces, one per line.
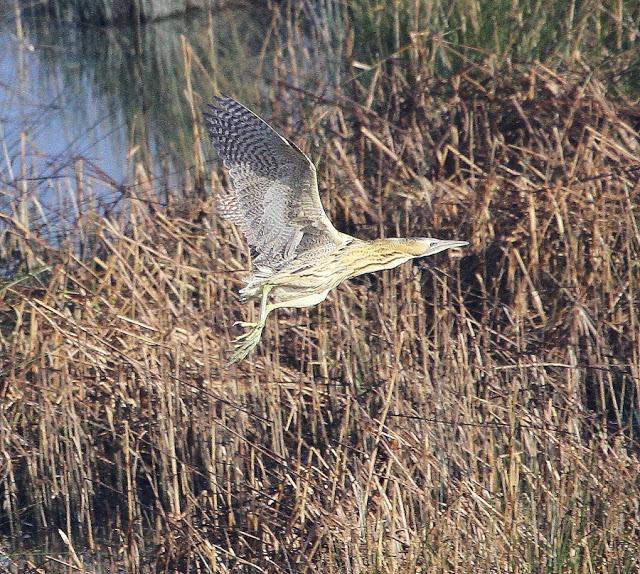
{"x":105,"y":99}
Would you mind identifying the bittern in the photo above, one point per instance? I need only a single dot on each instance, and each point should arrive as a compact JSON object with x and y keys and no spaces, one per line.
{"x":298,"y":255}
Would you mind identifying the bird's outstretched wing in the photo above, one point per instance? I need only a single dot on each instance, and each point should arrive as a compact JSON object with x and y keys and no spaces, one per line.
{"x":275,"y":200}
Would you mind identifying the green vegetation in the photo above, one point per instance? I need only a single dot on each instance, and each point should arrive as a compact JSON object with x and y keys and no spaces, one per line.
{"x":497,"y":34}
{"x":478,"y":413}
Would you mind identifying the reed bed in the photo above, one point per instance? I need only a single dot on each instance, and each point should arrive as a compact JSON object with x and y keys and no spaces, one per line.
{"x":474,"y":413}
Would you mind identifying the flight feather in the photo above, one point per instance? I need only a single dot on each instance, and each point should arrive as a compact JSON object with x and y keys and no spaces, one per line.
{"x":275,"y":200}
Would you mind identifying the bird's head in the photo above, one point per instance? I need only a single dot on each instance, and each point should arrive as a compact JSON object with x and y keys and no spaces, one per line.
{"x":424,"y":246}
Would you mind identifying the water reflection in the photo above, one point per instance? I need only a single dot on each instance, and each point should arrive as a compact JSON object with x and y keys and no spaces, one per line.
{"x":117,"y":95}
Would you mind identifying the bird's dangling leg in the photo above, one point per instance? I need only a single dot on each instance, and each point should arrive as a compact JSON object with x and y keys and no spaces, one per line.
{"x":246,"y":342}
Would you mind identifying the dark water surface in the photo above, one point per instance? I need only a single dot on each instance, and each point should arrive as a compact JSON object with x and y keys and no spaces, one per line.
{"x":114,"y":96}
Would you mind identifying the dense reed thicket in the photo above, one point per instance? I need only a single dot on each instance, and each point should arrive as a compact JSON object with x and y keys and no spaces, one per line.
{"x":473,"y":413}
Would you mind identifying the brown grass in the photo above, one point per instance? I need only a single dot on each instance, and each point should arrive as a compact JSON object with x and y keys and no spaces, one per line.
{"x":473,"y":414}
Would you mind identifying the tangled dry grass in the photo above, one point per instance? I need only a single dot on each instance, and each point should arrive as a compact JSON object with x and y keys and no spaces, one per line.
{"x":477,"y":414}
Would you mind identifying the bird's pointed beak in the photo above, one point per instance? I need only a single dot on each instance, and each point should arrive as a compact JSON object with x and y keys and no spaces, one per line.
{"x":443,"y":245}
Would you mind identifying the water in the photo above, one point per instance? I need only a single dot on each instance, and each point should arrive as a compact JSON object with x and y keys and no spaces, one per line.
{"x":102,"y":99}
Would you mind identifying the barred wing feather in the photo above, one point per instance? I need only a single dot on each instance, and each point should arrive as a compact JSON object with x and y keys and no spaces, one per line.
{"x":275,"y":200}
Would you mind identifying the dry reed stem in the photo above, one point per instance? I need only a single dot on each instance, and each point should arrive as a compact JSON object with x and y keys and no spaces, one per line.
{"x":466,"y":414}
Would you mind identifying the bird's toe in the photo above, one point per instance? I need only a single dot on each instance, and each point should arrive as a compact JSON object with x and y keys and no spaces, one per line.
{"x":247,"y":341}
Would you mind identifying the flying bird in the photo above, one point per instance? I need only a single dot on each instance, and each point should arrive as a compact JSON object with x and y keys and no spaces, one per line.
{"x":298,"y":255}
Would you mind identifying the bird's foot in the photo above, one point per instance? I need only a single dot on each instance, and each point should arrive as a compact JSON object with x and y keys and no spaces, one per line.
{"x":250,"y":326}
{"x":246,"y":342}
{"x":245,"y":324}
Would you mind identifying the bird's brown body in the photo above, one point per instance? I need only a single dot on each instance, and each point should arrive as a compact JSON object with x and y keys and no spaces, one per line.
{"x":303,"y":284}
{"x":301,"y":257}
